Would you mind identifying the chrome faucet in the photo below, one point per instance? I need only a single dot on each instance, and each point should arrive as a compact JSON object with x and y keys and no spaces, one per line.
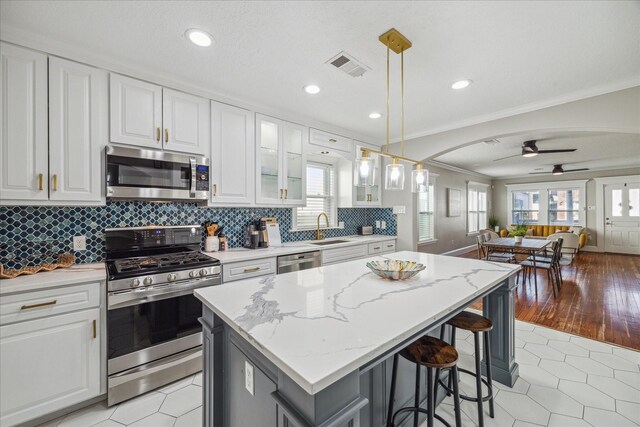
{"x":319,"y":233}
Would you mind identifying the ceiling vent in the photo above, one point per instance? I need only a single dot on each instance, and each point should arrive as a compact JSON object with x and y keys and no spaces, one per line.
{"x":491,"y":142}
{"x":348,"y":64}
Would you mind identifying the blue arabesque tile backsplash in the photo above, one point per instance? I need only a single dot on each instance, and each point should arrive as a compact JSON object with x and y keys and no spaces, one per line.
{"x":32,"y":235}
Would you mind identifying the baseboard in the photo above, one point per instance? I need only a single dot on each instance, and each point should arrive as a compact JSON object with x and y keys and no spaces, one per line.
{"x":460,"y":251}
{"x":590,"y":249}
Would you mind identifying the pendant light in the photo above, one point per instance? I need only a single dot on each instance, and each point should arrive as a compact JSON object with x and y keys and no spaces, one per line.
{"x":364,"y":170}
{"x":394,"y":172}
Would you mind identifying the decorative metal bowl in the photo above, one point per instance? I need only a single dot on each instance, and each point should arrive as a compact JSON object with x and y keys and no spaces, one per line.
{"x":395,"y":269}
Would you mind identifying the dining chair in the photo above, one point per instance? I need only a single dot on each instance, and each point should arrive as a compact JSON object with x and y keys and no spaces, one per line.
{"x":488,"y":255}
{"x":552,"y":267}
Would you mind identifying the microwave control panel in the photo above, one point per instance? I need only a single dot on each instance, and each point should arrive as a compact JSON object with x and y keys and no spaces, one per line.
{"x":202,"y":178}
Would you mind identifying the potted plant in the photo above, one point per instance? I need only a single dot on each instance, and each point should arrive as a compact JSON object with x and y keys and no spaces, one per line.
{"x":519,"y":231}
{"x":493,"y":223}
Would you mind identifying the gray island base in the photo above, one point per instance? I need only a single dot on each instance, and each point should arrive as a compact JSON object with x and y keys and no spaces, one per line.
{"x":314,"y":348}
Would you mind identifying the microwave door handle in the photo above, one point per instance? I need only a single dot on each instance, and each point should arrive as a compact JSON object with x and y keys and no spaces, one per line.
{"x":192,"y":161}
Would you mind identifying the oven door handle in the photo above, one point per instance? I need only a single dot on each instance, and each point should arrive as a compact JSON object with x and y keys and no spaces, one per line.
{"x":155,"y":366}
{"x":140,"y":296}
{"x":192,"y":162}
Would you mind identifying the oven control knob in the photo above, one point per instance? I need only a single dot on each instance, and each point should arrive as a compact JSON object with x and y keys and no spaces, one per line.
{"x":203,"y":272}
{"x":193,"y":273}
{"x":135,"y":283}
{"x":172,"y":276}
{"x":147,"y":281}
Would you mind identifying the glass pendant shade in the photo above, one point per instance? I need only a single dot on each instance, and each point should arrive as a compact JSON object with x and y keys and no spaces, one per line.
{"x":419,"y":180}
{"x":394,"y":176}
{"x":364,"y":172}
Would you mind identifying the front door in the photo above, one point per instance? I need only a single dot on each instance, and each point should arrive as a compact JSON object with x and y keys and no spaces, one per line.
{"x":622,"y":218}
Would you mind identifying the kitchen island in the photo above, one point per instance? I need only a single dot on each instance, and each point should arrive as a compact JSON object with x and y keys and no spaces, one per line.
{"x":313,"y":348}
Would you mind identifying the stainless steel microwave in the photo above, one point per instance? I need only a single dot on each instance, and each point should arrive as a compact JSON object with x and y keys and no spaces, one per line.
{"x":135,"y":174}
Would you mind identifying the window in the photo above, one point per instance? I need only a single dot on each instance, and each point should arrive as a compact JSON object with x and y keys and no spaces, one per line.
{"x":564,"y":207}
{"x":525,"y":207}
{"x":476,"y":206}
{"x":320,"y":197}
{"x":426,"y":213}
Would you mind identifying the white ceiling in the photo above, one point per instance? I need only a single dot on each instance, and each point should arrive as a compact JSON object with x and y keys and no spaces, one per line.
{"x":517,"y":53}
{"x":596,"y":151}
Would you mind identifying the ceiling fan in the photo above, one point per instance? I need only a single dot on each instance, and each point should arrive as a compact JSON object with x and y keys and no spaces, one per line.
{"x":530,"y":149}
{"x":558,"y":170}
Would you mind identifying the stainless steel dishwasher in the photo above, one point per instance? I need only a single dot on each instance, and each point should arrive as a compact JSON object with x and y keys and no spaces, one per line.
{"x":297,"y":262}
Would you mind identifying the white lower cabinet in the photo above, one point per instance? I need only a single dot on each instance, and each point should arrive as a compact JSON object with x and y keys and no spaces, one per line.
{"x":48,"y":364}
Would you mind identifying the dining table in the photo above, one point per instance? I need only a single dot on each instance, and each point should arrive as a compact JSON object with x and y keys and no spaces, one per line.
{"x":530,"y":247}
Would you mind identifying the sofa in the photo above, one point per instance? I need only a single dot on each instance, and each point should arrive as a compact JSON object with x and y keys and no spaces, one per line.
{"x":574,"y":237}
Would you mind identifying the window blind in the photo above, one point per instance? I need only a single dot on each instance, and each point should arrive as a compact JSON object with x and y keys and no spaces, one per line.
{"x":320,"y":197}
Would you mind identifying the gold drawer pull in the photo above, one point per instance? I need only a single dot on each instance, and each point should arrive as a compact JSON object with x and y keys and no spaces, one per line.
{"x":333,"y":140}
{"x":390,"y":246}
{"x":42,"y":304}
{"x":281,"y":191}
{"x":158,"y":134}
{"x":286,"y":193}
{"x":55,"y":182}
{"x":376,"y":248}
{"x":251,"y":270}
{"x":166,"y":135}
{"x":95,"y":332}
{"x":40,"y":181}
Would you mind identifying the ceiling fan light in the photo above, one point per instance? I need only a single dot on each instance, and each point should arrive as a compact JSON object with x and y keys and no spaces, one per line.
{"x":557,"y":170}
{"x":529,"y":153}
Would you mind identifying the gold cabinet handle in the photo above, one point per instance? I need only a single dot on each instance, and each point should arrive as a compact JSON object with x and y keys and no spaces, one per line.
{"x":158,"y":134}
{"x":42,"y":304}
{"x":286,"y":193}
{"x":55,"y":182}
{"x":166,"y":135}
{"x":251,"y":270}
{"x":95,"y":329}
{"x":215,"y":189}
{"x":377,"y":248}
{"x":40,"y":181}
{"x":333,"y":140}
{"x":281,"y":192}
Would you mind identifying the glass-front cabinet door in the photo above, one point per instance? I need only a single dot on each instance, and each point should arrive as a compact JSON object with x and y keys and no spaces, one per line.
{"x":280,"y":162}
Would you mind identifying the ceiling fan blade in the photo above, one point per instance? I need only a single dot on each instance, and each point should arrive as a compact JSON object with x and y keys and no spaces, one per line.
{"x":508,"y":157}
{"x":566,"y":150}
{"x":539,"y":173}
{"x":576,"y":170}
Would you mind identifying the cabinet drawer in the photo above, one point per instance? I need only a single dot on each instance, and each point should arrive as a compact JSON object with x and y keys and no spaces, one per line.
{"x":382,"y":247}
{"x":245,"y":269}
{"x":32,"y":305}
{"x":331,"y":141}
{"x":332,"y":256}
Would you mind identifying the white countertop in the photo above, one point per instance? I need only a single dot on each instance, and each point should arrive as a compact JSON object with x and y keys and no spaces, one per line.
{"x":244,"y":254}
{"x":318,"y":325}
{"x":77,"y":273}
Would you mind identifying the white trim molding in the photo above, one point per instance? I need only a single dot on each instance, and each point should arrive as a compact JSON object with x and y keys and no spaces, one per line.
{"x":600,"y":184}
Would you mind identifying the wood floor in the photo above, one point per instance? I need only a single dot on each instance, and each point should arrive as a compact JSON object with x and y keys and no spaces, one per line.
{"x":600,"y":299}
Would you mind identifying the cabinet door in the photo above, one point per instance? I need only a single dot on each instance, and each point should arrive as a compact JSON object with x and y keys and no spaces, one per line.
{"x":269,"y":189}
{"x":232,"y":155}
{"x":135,"y":112}
{"x":294,"y":165}
{"x":186,"y":122}
{"x":48,"y":364}
{"x":23,"y":123}
{"x":77,"y":130}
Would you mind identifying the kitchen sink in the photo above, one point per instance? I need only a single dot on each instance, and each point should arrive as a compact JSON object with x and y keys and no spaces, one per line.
{"x":329,"y":242}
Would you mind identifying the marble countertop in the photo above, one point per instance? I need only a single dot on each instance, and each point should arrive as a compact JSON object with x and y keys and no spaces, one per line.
{"x":244,"y":254}
{"x":318,"y":325}
{"x":77,"y":273}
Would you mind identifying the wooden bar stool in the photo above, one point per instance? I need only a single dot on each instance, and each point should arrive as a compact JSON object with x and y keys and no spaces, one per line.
{"x":431,"y":353}
{"x":476,"y":324}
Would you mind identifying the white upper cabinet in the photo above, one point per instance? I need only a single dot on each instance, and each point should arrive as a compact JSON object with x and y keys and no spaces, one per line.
{"x":135,"y":112}
{"x":330,"y":141}
{"x":232,"y":155}
{"x":77,"y":130}
{"x":186,"y":122}
{"x":147,"y":115}
{"x":280,"y":162}
{"x":369,"y":195}
{"x":23,"y":124}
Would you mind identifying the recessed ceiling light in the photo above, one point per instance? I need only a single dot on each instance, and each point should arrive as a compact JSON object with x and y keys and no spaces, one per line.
{"x":375,"y":115}
{"x":311,"y":89}
{"x":461,"y":84}
{"x":199,"y":37}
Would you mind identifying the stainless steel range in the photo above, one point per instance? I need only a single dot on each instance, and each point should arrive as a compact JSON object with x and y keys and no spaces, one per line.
{"x":153,"y":333}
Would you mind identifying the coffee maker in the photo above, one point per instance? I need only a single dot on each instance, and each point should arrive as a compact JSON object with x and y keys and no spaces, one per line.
{"x":256,"y":235}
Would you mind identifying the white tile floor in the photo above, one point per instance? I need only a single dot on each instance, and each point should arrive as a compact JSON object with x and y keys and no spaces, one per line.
{"x":564,"y":381}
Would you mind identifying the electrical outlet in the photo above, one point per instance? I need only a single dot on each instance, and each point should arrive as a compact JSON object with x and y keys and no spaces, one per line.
{"x":79,"y":243}
{"x":399,"y":209}
{"x":340,"y":224}
{"x":383,"y":224}
{"x":377,"y":224}
{"x":453,"y":242}
{"x":248,"y":377}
